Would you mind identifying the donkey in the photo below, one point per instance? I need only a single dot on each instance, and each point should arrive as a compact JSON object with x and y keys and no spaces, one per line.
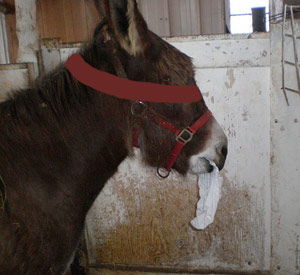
{"x":61,"y":140}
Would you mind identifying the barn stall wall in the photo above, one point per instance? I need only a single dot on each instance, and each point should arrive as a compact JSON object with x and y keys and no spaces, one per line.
{"x":13,"y":77}
{"x":75,"y":20}
{"x":285,"y":159}
{"x":141,"y":221}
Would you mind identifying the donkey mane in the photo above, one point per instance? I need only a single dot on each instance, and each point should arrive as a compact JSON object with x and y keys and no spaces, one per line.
{"x":58,"y":97}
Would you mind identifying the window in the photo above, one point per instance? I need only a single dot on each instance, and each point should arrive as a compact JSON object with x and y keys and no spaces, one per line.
{"x":241,"y":15}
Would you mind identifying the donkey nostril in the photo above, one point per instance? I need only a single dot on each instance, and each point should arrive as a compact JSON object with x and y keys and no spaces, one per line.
{"x":224,"y":151}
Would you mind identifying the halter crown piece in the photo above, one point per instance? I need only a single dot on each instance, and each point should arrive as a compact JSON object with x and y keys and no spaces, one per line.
{"x":141,"y":92}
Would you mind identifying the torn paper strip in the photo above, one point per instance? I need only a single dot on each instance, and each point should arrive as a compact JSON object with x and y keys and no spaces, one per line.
{"x":210,"y":187}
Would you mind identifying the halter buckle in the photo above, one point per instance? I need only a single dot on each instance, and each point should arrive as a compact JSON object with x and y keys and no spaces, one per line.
{"x":185,"y":136}
{"x":138,"y":108}
{"x":162,"y":172}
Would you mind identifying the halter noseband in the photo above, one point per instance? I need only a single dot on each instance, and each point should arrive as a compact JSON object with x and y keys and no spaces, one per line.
{"x":183,"y":136}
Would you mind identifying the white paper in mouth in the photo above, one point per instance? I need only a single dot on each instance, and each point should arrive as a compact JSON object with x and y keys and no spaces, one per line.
{"x":210,"y":189}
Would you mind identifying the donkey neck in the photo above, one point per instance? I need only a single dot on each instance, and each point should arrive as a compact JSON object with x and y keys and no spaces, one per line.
{"x":81,"y":137}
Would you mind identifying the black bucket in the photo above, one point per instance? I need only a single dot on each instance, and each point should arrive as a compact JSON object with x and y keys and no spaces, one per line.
{"x":259,"y":19}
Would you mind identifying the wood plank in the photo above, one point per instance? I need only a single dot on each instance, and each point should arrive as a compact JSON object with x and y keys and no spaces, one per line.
{"x":75,"y":20}
{"x":218,"y":11}
{"x":185,"y":14}
{"x":195,"y":17}
{"x":175,"y":18}
{"x":92,"y":17}
{"x":53,"y":19}
{"x":4,"y":54}
{"x":205,"y":11}
{"x":40,"y":20}
{"x":156,"y":13}
{"x":212,"y":16}
{"x":185,"y":17}
{"x":10,"y":20}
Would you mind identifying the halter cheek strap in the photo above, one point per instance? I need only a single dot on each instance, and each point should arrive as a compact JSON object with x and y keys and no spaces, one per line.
{"x":183,"y":136}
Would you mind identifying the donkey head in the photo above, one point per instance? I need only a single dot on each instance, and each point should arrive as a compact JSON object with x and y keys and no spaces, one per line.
{"x":146,"y":57}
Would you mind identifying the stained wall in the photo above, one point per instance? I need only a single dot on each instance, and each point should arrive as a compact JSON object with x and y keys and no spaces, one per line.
{"x":140,"y":220}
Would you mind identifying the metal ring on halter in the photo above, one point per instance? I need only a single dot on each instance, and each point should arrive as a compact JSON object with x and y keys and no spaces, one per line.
{"x":138,"y":108}
{"x":162,"y":172}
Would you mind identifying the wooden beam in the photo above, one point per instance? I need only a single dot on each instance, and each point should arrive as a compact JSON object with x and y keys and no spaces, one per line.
{"x":6,"y":9}
{"x":13,"y":43}
{"x":27,"y":33}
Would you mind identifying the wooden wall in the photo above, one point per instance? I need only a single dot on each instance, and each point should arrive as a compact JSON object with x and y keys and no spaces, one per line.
{"x":75,"y":20}
{"x":184,"y":17}
{"x":70,"y":20}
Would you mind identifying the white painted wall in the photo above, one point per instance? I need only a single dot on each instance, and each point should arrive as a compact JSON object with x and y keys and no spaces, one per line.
{"x":233,"y":74}
{"x":27,"y":33}
{"x":13,"y":77}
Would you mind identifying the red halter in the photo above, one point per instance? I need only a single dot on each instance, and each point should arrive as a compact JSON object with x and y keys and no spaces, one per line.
{"x":144,"y":91}
{"x":183,"y":136}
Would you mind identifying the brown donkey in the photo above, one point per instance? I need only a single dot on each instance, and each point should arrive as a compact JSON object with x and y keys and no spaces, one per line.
{"x":61,"y":140}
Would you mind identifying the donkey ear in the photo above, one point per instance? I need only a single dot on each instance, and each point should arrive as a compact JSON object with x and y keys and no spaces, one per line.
{"x":127,"y":23}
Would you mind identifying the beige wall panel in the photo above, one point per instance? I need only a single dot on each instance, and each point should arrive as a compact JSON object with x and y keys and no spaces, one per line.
{"x":75,"y":20}
{"x":92,"y":17}
{"x":156,"y":13}
{"x":212,"y":16}
{"x":185,"y":14}
{"x":195,"y":17}
{"x":53,"y":19}
{"x":184,"y":17}
{"x":175,"y":17}
{"x":218,"y":16}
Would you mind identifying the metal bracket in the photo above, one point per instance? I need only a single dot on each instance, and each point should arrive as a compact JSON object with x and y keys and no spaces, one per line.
{"x":284,"y":61}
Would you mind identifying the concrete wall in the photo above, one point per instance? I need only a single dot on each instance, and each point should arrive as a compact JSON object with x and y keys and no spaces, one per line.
{"x":241,"y":79}
{"x":13,"y":77}
{"x":285,"y":161}
{"x":233,"y":74}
